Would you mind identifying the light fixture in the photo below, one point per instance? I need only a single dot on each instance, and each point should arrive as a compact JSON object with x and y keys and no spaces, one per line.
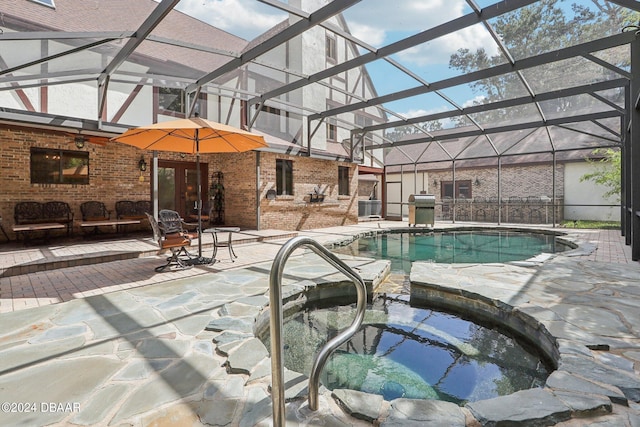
{"x":435,"y":182}
{"x":79,"y":141}
{"x":142,"y":165}
{"x":477,"y":181}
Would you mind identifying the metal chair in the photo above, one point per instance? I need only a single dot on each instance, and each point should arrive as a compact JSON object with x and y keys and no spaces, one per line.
{"x":175,"y":241}
{"x":463,"y":209}
{"x":493,"y":208}
{"x":171,"y":222}
{"x":534,"y":203}
{"x":447,"y":207}
{"x":480,"y":208}
{"x":516,"y":209}
{"x":94,"y":211}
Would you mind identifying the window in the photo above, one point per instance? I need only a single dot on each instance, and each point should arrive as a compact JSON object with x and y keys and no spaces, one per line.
{"x":362,"y":122}
{"x":284,"y":177}
{"x":332,"y":132}
{"x":59,"y":166}
{"x":171,"y":100}
{"x":331,"y":49}
{"x":463,"y":189}
{"x":343,"y":181}
{"x":273,"y":119}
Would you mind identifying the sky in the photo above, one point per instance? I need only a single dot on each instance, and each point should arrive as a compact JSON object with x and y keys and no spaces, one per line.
{"x":378,"y":23}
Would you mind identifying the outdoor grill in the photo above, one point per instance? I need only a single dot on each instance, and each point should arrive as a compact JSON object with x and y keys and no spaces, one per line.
{"x":422,"y":209}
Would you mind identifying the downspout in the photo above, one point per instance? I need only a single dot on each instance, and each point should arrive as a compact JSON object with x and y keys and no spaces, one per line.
{"x":453,"y":214}
{"x":499,"y":189}
{"x":155,"y":194}
{"x":553,"y":183}
{"x":258,"y":198}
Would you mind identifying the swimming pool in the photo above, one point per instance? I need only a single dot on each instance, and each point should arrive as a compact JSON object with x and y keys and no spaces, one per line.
{"x":402,"y":248}
{"x":412,"y":352}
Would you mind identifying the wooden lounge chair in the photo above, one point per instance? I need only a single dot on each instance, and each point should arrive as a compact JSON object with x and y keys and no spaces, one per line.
{"x":173,"y":240}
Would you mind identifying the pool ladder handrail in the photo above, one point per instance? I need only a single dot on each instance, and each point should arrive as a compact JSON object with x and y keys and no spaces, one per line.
{"x":276,"y":320}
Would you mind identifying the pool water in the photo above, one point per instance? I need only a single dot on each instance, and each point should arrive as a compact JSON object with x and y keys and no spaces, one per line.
{"x":452,"y":247}
{"x":405,"y":351}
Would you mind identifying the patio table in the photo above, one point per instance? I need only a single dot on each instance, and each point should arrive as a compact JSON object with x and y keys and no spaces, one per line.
{"x":218,"y":244}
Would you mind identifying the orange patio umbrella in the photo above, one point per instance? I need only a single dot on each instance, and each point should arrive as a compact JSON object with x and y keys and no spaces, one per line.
{"x":194,"y":135}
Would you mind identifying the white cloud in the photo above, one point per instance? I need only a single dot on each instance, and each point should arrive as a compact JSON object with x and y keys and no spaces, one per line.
{"x":446,"y":123}
{"x":243,"y":18}
{"x":404,"y":15}
{"x":419,"y":112}
{"x":381,"y":22}
{"x":440,"y":50}
{"x":475,"y":101}
{"x":371,"y":35}
{"x":377,"y":22}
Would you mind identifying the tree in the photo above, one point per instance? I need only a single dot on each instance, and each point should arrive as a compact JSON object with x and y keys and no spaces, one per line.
{"x":401,"y":132}
{"x":542,"y":27}
{"x":607,"y":171}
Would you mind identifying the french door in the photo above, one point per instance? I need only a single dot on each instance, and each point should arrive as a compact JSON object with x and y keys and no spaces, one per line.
{"x":177,"y":186}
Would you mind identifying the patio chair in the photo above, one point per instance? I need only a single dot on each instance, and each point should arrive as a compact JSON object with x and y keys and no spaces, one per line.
{"x":480,"y":208}
{"x":493,"y":208}
{"x":516,"y":209}
{"x":447,"y":204}
{"x":175,"y":241}
{"x":534,"y":203}
{"x":463,"y":209}
{"x":94,"y":211}
{"x":171,"y":222}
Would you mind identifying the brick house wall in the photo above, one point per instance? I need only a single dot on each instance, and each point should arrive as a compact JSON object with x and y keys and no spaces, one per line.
{"x":114,"y":175}
{"x":517,"y":180}
{"x":294,"y":212}
{"x":521,"y":180}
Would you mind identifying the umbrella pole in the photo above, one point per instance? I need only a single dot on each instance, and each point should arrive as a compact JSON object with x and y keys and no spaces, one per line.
{"x":199,"y":192}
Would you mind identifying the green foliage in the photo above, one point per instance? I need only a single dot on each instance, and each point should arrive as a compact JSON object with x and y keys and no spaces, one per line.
{"x":601,"y":225}
{"x":399,"y":132}
{"x":607,"y":172}
{"x":542,"y":27}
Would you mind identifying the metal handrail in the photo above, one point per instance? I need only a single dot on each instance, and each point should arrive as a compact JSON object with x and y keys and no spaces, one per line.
{"x":276,"y":320}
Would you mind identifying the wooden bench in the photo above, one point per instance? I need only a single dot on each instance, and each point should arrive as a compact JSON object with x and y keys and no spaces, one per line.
{"x":27,"y":230}
{"x":130,"y":210}
{"x":95,"y":215}
{"x":30,"y":217}
{"x":116,"y":223}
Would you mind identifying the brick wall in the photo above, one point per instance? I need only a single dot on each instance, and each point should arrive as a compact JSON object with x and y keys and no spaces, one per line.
{"x":285,"y":212}
{"x":239,"y":180}
{"x":296,"y":212}
{"x":114,"y":175}
{"x":113,"y":172}
{"x":517,"y":180}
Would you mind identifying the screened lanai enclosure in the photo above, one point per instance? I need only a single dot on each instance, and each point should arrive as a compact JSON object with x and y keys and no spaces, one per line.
{"x":490,"y":106}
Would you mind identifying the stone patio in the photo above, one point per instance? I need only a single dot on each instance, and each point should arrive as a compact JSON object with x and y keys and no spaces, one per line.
{"x":135,"y":354}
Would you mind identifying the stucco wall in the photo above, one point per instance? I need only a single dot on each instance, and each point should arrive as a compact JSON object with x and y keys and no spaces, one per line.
{"x":586,"y":193}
